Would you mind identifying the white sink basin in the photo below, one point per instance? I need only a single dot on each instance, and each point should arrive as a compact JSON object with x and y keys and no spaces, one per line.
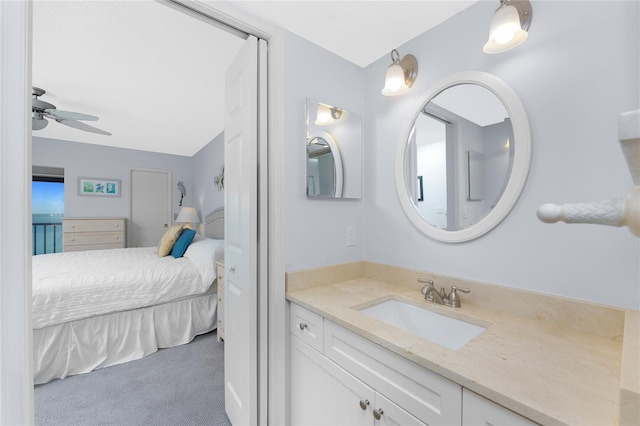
{"x":441,"y":329}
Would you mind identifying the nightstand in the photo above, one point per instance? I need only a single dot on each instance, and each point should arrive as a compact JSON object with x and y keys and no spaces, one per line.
{"x":220,"y":279}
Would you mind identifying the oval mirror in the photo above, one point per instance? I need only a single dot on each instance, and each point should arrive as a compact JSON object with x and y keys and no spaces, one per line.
{"x":464,"y":158}
{"x":324,"y":166}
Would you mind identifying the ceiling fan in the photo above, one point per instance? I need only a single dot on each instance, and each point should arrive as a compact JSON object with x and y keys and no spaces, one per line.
{"x":41,"y":109}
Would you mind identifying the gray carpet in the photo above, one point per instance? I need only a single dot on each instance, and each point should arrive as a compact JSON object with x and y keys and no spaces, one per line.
{"x":183,"y":385}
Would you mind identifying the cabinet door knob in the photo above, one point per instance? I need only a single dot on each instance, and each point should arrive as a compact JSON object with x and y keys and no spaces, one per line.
{"x":364,"y":403}
{"x":302,"y":325}
{"x":377,"y":413}
{"x":232,"y":269}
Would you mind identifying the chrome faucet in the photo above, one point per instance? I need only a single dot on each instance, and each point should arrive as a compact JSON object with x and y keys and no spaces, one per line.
{"x":440,"y":297}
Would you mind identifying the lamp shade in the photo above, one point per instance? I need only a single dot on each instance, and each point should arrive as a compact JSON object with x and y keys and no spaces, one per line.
{"x":324,"y":116}
{"x":394,"y":81}
{"x":188,"y":215}
{"x":506,"y":31}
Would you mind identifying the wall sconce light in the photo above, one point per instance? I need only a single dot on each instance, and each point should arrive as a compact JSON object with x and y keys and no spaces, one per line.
{"x":509,"y":26}
{"x":400,"y":75}
{"x":327,"y":114}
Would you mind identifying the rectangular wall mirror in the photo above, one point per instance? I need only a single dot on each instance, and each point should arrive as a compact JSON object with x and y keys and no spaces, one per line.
{"x":333,"y":152}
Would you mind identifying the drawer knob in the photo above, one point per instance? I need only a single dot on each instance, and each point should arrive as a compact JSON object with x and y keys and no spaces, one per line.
{"x":302,"y":325}
{"x":117,"y":238}
{"x":73,"y":239}
{"x":364,"y":403}
{"x":232,"y":269}
{"x":73,"y":226}
{"x":378,"y":413}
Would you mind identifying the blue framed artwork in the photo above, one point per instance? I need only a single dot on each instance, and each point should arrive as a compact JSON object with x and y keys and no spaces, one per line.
{"x":99,"y":187}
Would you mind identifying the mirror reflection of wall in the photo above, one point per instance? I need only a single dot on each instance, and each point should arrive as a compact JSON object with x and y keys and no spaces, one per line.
{"x":334,"y":151}
{"x":461,"y":146}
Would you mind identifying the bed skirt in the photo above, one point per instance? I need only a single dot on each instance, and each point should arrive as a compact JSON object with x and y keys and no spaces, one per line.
{"x":85,"y":345}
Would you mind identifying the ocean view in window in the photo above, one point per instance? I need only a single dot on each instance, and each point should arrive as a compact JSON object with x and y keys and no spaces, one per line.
{"x":48,"y":210}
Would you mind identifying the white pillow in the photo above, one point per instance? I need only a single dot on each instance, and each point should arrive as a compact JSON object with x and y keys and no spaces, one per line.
{"x":202,"y":252}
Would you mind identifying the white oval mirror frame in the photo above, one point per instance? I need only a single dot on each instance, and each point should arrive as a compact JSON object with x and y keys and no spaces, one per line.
{"x":521,"y":157}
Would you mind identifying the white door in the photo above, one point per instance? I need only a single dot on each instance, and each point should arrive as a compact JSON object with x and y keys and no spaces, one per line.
{"x":150,"y":207}
{"x":241,"y":236}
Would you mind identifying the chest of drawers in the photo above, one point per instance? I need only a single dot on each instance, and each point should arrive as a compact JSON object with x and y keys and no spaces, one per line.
{"x":93,"y":233}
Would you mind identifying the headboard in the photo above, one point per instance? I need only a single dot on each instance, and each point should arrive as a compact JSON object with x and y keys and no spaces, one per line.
{"x":214,"y":224}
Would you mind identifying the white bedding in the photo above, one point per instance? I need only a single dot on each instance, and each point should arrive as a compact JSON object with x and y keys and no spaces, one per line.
{"x":75,"y":285}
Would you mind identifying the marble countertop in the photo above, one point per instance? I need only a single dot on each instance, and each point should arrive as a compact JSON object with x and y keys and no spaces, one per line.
{"x":546,"y":372}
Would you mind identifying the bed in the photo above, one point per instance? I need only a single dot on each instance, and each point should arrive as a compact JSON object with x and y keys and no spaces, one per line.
{"x":93,"y":309}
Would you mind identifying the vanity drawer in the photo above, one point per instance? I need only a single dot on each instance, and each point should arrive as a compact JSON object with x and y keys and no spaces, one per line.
{"x":429,"y":397}
{"x":307,"y":326}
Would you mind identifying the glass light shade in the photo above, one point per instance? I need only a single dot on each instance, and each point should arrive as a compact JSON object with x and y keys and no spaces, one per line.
{"x":323,"y":115}
{"x":394,"y":82}
{"x":505,"y":32}
{"x":39,"y":124}
{"x":187,"y":216}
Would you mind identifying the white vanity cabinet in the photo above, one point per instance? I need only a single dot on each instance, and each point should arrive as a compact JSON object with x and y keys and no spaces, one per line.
{"x":479,"y":411}
{"x":338,"y":377}
{"x":323,"y":393}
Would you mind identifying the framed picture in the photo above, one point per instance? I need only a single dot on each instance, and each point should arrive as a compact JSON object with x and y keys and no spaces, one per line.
{"x":99,"y":187}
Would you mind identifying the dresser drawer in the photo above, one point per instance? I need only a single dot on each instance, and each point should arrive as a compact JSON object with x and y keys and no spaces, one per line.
{"x":93,"y":238}
{"x":427,"y":396}
{"x":92,"y":225}
{"x":307,"y":326}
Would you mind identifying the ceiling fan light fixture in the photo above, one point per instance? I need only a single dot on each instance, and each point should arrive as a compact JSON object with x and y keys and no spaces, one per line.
{"x":41,"y":109}
{"x":39,"y":123}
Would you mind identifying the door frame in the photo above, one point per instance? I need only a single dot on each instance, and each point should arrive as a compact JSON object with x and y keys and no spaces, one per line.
{"x":16,"y":364}
{"x":169,"y":174}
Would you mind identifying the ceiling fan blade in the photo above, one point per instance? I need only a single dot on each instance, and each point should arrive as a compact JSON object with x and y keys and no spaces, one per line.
{"x":68,"y":115}
{"x":79,"y":125}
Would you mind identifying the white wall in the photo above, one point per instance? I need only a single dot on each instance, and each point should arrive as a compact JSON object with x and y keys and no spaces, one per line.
{"x":315,"y":229}
{"x":207,"y":162}
{"x":87,"y":160}
{"x":575,"y":74}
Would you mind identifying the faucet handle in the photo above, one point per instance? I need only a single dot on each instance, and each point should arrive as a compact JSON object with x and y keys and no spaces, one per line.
{"x":454,"y":299}
{"x":429,"y":283}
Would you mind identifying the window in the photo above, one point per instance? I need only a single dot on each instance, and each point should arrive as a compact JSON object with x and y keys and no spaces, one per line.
{"x":47,"y":192}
